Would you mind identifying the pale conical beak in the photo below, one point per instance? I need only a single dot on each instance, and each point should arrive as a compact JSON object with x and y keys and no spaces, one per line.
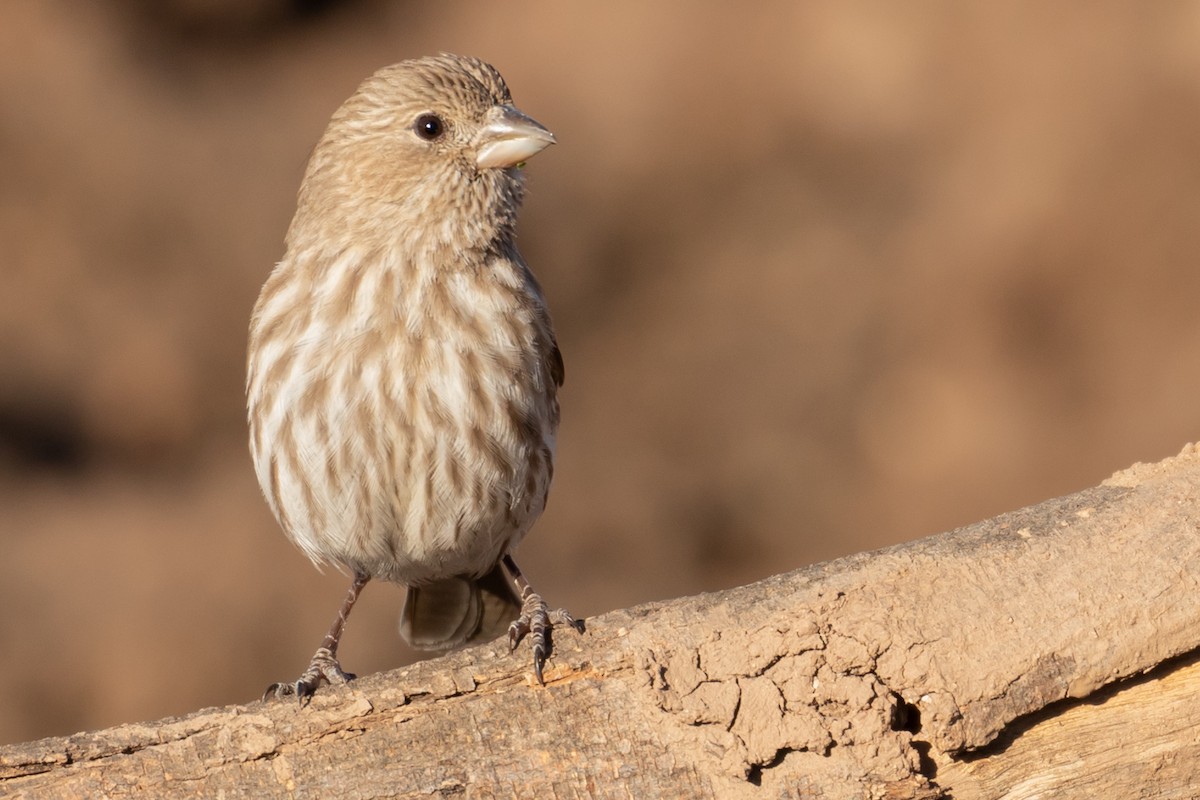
{"x":508,"y":138}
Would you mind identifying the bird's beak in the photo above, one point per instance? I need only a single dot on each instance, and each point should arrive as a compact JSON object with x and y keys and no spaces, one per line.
{"x":508,"y":138}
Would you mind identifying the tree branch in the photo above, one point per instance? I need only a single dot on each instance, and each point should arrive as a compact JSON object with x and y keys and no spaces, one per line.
{"x":1049,"y":652}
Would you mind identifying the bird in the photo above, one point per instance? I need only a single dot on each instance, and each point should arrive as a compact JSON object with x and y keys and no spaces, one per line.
{"x":402,"y":367}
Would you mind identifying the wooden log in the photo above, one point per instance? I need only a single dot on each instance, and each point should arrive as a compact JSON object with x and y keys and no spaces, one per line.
{"x":1048,"y":652}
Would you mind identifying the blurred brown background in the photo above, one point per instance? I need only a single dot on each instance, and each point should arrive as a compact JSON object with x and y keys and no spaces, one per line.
{"x":826,"y":278}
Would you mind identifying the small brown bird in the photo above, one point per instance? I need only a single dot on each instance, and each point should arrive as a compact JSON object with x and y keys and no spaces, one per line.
{"x":402,"y":371}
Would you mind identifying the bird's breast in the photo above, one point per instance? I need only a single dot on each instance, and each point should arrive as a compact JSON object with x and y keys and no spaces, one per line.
{"x":414,"y":437}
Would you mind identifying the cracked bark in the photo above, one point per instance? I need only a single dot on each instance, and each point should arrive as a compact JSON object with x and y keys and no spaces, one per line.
{"x":1049,"y":652}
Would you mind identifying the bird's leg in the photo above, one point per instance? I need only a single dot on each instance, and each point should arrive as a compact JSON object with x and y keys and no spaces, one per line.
{"x":324,"y":665}
{"x":536,"y":618}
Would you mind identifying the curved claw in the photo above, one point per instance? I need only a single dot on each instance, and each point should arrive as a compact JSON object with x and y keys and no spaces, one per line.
{"x":537,"y":620}
{"x":324,"y":668}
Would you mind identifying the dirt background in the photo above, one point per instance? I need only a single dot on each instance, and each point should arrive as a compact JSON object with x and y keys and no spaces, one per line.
{"x":825,"y":277}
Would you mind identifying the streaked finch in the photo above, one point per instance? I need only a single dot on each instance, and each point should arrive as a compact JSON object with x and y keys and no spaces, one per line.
{"x":403,"y":372}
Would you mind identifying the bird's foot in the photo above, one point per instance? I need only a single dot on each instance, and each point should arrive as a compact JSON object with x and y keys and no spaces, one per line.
{"x":537,"y":620}
{"x":324,"y":668}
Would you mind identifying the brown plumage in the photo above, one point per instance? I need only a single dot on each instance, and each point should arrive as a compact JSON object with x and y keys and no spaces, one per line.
{"x":403,"y":372}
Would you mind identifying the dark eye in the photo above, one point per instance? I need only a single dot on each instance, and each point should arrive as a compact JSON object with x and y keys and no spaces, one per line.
{"x":429,"y":127}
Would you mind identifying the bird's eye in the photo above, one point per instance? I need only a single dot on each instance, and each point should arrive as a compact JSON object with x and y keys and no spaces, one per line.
{"x":429,"y":127}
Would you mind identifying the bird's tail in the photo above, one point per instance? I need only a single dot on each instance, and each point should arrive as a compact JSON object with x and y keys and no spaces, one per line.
{"x":457,"y":611}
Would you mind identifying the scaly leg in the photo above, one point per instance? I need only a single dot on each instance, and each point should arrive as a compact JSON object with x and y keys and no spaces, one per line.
{"x":324,"y":666}
{"x":537,"y":619}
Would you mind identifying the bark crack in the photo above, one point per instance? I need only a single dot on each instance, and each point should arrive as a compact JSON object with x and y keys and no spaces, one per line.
{"x":788,"y":687}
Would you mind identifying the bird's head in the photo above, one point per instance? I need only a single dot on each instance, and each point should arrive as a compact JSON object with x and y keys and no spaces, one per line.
{"x":427,"y":149}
